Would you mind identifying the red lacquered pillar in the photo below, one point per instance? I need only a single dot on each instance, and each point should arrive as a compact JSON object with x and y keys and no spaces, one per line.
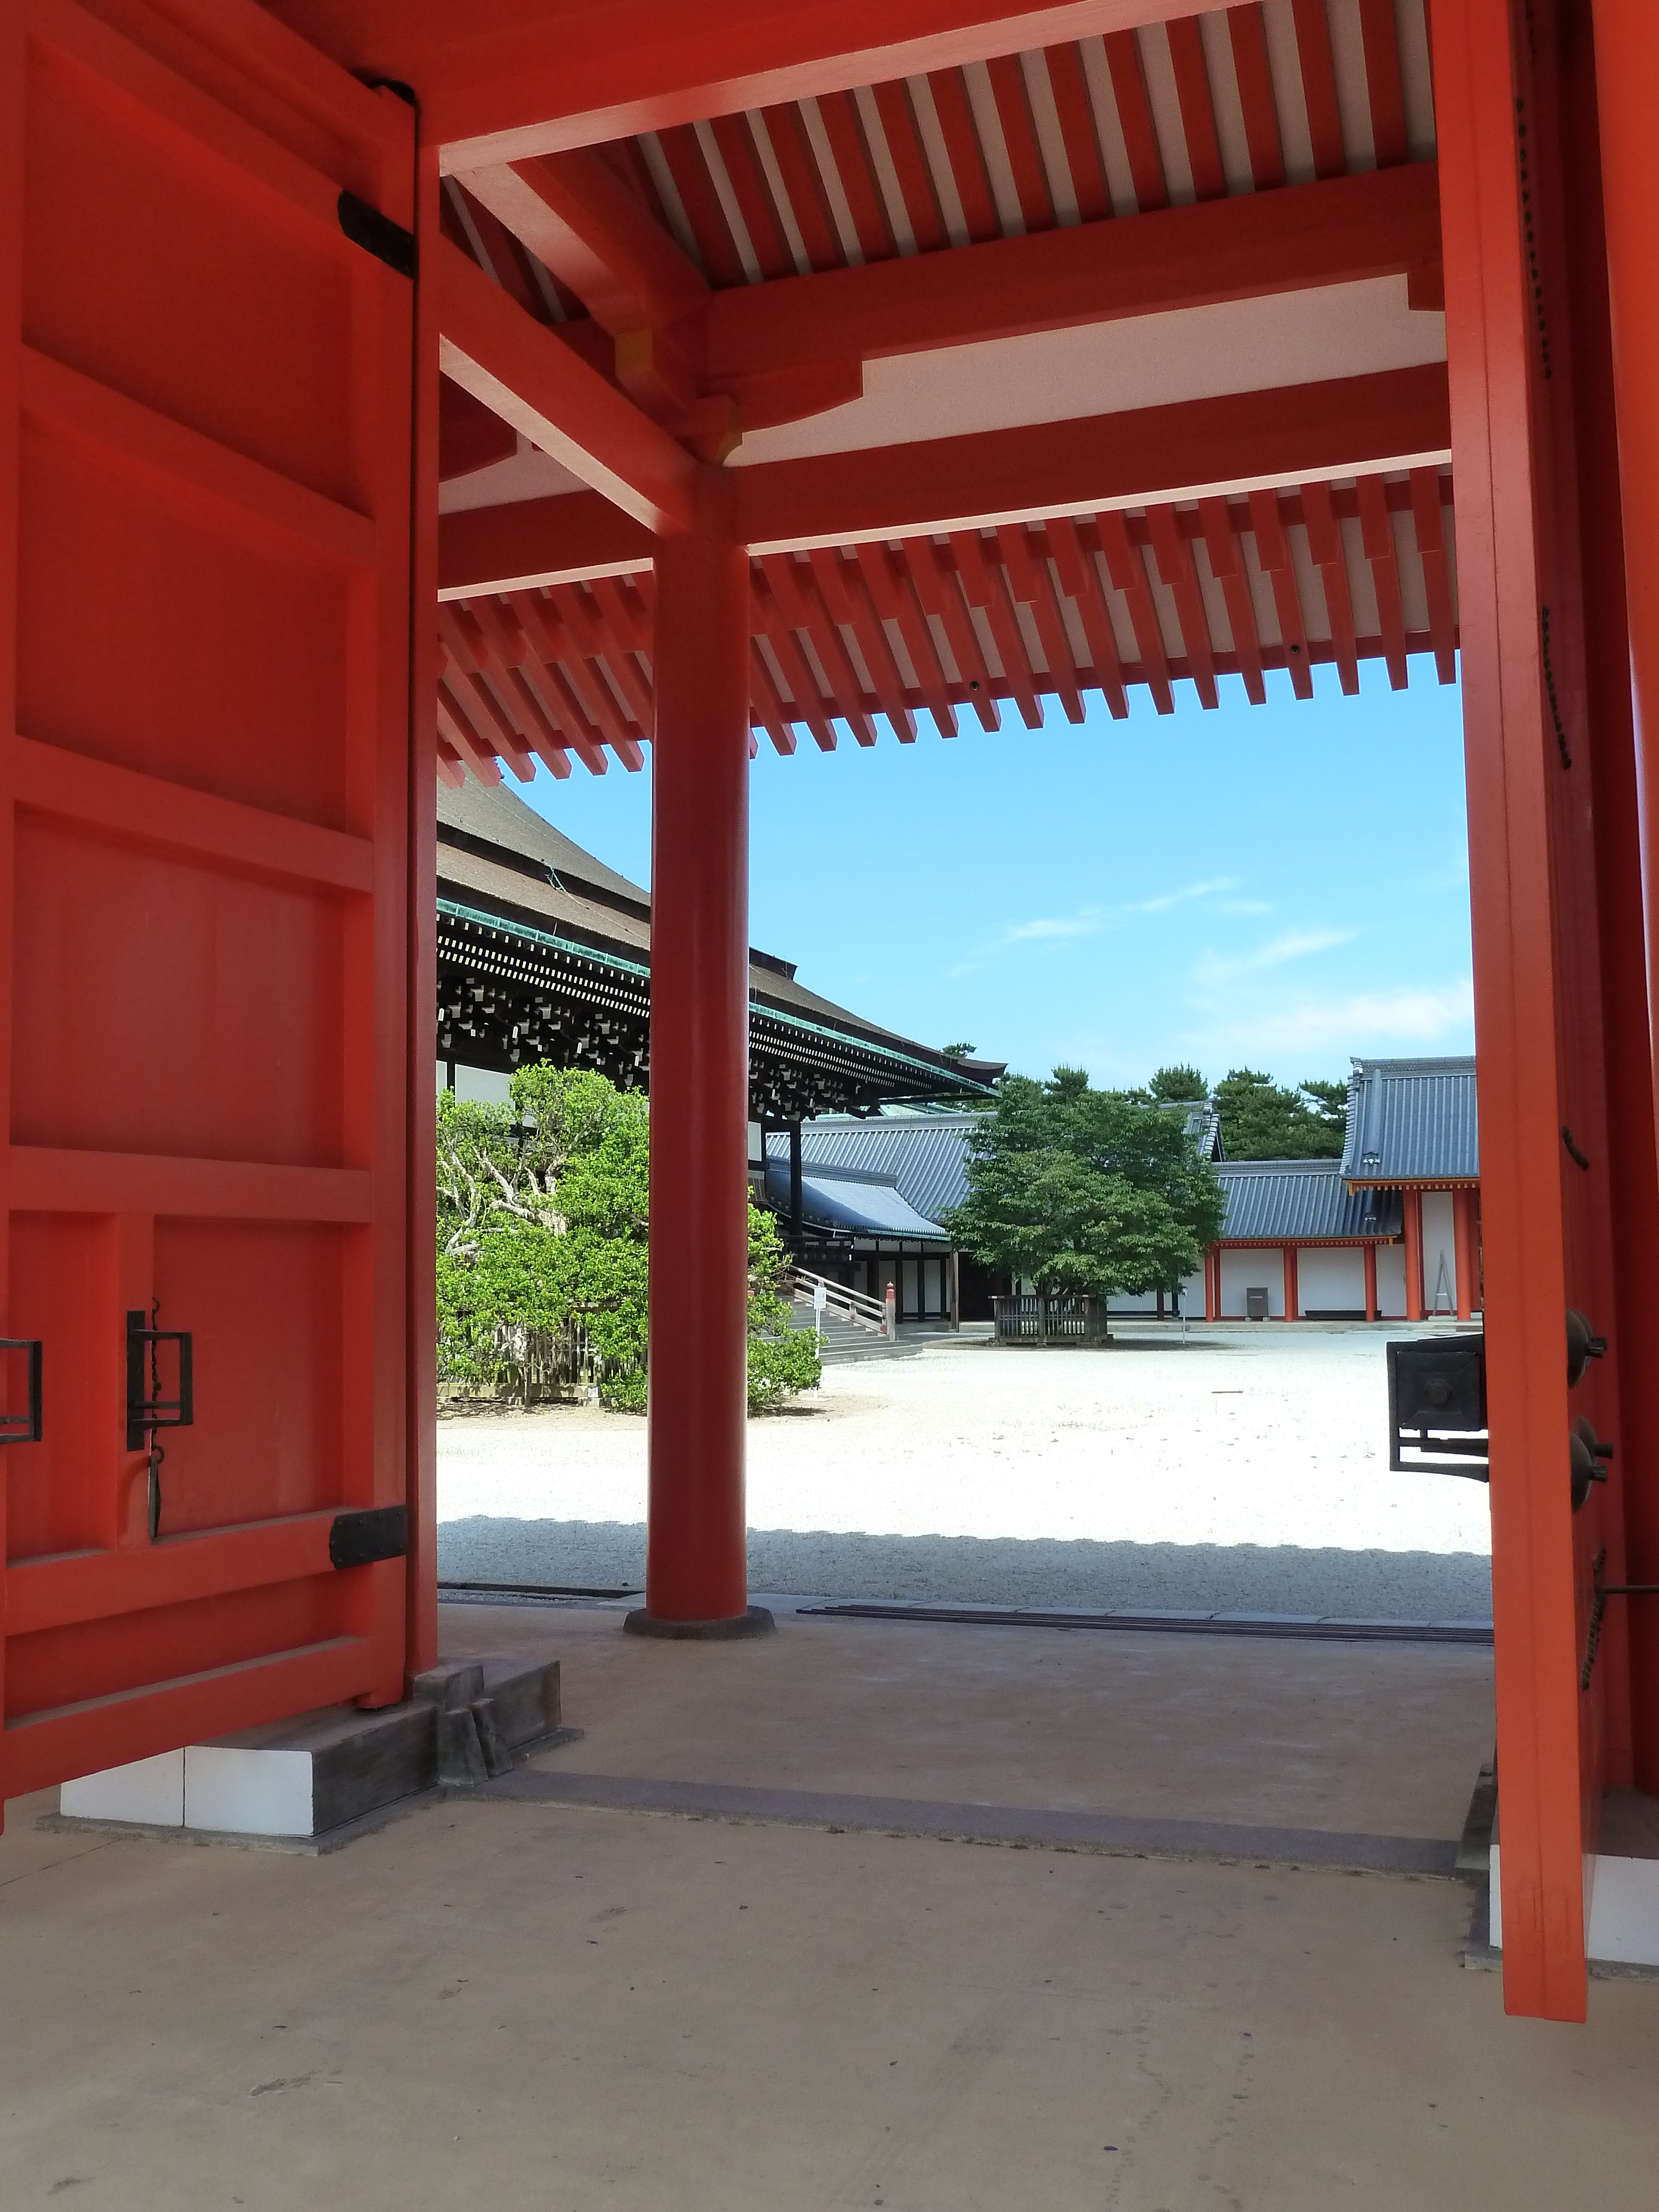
{"x":1370,"y":1283}
{"x":1413,"y":1225}
{"x":1627,"y":84}
{"x":696,"y":1576}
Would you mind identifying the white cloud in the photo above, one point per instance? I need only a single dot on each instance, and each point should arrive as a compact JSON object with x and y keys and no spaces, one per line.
{"x":1091,"y":920}
{"x":1295,"y":945}
{"x":1085,"y":923}
{"x":1161,"y":901}
{"x":1357,"y":1023}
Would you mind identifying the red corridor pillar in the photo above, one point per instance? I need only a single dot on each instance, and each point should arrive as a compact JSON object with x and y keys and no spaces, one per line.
{"x":1293,"y":1291}
{"x":696,"y":1575}
{"x":1463,"y":1249}
{"x":1371,"y":1282}
{"x":1414,"y":1211}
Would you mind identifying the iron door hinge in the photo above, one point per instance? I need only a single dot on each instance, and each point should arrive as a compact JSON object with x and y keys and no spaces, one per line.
{"x":377,"y":233}
{"x":24,"y":1428}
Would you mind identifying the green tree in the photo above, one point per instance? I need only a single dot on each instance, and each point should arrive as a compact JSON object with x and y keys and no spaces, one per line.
{"x":1085,"y":1190}
{"x":1262,"y":1120}
{"x":1177,"y":1086}
{"x":543,"y":1219}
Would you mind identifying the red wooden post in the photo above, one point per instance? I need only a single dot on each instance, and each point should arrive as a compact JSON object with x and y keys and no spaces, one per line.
{"x":696,"y":1563}
{"x":1371,"y":1282}
{"x":1463,"y":1250}
{"x":1626,"y":57}
{"x":1292,"y":1294}
{"x":1413,"y":1210}
{"x":1494,"y":374}
{"x":1212,"y":1283}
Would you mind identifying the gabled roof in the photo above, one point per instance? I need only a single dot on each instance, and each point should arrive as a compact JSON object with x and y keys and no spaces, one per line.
{"x":1411,"y":1121}
{"x":1301,"y":1201}
{"x":864,"y":1204}
{"x":1203,"y":1125}
{"x":926,"y":1155}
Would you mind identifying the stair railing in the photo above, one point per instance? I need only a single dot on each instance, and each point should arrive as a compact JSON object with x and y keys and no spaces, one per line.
{"x":856,"y":1306}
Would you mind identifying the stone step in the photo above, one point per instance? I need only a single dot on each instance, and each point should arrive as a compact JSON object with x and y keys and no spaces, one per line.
{"x":323,"y":1772}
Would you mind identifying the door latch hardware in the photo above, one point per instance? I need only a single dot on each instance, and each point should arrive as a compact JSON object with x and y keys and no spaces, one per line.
{"x":146,"y":1412}
{"x":24,"y":1428}
{"x":377,"y":233}
{"x":1603,"y":1592}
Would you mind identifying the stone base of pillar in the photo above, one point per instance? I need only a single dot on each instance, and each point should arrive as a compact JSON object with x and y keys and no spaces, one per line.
{"x":757,"y":1621}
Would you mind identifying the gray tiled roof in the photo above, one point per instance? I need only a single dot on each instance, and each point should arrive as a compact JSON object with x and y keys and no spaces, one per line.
{"x":1412,"y":1121}
{"x":1297,"y":1201}
{"x":841,"y":1198}
{"x":926,"y":1154}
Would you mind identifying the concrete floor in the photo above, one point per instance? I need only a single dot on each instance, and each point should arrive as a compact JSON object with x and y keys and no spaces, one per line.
{"x":503,"y":2004}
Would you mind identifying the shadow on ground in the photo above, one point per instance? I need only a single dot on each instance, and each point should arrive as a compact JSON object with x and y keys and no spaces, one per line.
{"x":1000,"y":1571}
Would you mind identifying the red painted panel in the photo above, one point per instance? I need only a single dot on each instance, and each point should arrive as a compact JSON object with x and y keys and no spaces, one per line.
{"x":204,"y":969}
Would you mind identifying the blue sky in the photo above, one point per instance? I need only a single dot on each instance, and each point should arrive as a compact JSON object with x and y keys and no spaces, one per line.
{"x":1280,"y":887}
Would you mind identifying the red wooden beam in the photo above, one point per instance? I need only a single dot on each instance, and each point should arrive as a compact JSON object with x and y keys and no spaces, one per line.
{"x":941,"y":594}
{"x":1129,"y":572}
{"x":1026,"y":565}
{"x":494,"y":86}
{"x":1330,"y":558}
{"x":983,"y":588}
{"x":1135,"y":115}
{"x":530,"y":378}
{"x":847,"y":604}
{"x":1336,"y":233}
{"x":1313,"y":45}
{"x":575,"y":214}
{"x":894,"y":599}
{"x":1174,"y":555}
{"x":1337,"y":428}
{"x":1428,"y":522}
{"x":501,"y":549}
{"x":1257,"y":97}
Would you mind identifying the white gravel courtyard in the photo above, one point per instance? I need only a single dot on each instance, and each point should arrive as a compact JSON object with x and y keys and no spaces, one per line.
{"x":1242,"y":1470}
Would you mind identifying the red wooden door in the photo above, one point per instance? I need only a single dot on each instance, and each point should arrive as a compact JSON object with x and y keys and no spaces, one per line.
{"x":205,"y":378}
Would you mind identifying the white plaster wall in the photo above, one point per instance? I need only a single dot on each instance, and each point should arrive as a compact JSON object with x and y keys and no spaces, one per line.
{"x":1439,"y":1253}
{"x":1391,"y":1281}
{"x":484,"y":1086}
{"x":1331,"y":1281}
{"x":1248,"y":1268}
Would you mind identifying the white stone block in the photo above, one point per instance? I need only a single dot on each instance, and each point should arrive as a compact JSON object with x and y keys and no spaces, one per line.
{"x":1623,"y":1911}
{"x":148,"y":1790}
{"x":242,"y":1792}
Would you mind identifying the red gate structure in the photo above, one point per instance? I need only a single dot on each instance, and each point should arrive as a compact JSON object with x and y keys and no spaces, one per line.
{"x":774,"y":370}
{"x":208,"y":382}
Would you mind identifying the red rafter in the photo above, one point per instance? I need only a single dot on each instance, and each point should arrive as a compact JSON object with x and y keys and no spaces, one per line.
{"x":1127,"y":570}
{"x":1227,"y":567}
{"x":1019,"y":136}
{"x":1197,"y":108}
{"x":767,"y":702}
{"x":1273,"y":551}
{"x":716,"y":247}
{"x":888,"y":585}
{"x":915,"y":179}
{"x":1428,"y":522}
{"x":1077,"y":129}
{"x":546,"y":736}
{"x":1255,"y":95}
{"x":596,"y":646}
{"x":940,"y":592}
{"x":455,"y":724}
{"x":797,"y":166}
{"x":1380,"y":34}
{"x":753,"y":195}
{"x":1330,"y":558}
{"x":845,"y":135}
{"x":792,"y":585}
{"x":1376,"y":529}
{"x":1080,"y":580}
{"x":780,"y":623}
{"x":1135,"y":115}
{"x":553,"y":643}
{"x":1026,"y":567}
{"x":1174,"y":555}
{"x":1313,"y":47}
{"x":987,"y":591}
{"x":845,"y":599}
{"x":956,"y":122}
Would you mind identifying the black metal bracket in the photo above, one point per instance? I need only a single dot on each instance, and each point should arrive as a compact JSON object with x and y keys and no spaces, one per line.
{"x":377,"y":233}
{"x":24,"y":1428}
{"x":147,"y":1413}
{"x":359,"y":1538}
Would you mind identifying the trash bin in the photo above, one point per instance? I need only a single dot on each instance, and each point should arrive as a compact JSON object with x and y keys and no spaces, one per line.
{"x":1255,"y":1305}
